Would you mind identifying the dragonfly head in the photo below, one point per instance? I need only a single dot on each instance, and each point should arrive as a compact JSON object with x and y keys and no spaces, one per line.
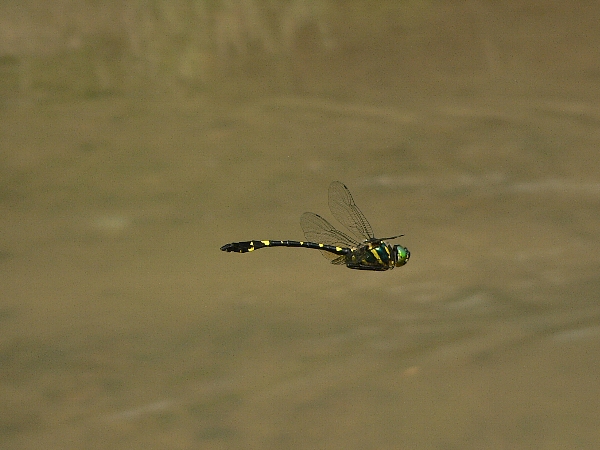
{"x":401,"y":255}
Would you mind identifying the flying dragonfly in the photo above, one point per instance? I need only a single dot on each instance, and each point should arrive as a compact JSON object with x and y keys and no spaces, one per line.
{"x":362,"y":252}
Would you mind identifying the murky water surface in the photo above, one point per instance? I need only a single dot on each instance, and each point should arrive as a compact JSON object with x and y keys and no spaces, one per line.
{"x":124,"y":326}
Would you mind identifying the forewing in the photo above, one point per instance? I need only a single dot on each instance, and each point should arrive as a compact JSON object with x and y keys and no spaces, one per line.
{"x":344,"y":209}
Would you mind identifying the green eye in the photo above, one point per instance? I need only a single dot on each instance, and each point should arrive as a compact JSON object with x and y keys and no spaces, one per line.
{"x":403,"y":255}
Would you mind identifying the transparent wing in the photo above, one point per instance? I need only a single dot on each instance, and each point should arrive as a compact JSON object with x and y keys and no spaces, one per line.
{"x":316,"y":229}
{"x":340,"y":260}
{"x":344,"y":209}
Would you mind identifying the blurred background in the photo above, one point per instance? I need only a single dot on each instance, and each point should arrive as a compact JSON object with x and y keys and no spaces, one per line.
{"x":138,"y":137}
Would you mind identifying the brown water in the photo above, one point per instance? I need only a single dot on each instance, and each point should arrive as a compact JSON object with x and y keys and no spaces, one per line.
{"x":124,"y":326}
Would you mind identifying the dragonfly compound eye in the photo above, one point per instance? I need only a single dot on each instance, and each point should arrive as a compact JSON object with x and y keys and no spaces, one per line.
{"x":403,"y":255}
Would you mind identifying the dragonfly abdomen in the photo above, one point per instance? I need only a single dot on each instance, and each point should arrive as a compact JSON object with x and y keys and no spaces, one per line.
{"x":249,"y":246}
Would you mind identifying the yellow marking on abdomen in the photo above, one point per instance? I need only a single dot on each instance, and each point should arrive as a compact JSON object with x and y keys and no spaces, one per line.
{"x":266,"y":242}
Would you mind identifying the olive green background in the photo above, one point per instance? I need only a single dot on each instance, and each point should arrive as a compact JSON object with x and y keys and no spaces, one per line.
{"x":138,"y":137}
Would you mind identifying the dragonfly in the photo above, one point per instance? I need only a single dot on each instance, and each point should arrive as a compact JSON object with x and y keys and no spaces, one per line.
{"x":358,"y":250}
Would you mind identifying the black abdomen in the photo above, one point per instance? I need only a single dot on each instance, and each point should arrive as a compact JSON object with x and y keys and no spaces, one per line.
{"x":249,"y":246}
